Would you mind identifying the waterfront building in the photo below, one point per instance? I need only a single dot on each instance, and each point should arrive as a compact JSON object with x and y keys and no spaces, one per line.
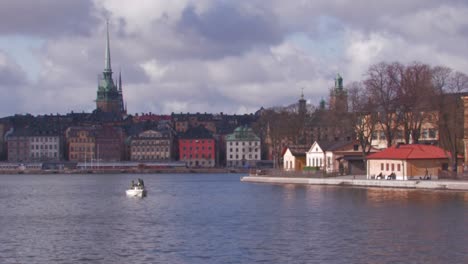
{"x":109,"y":96}
{"x":95,"y":144}
{"x":109,"y":143}
{"x":294,"y":157}
{"x":412,"y":161}
{"x":34,"y":145}
{"x":344,"y":157}
{"x":197,"y":147}
{"x":81,"y":144}
{"x":151,"y":145}
{"x":242,"y":148}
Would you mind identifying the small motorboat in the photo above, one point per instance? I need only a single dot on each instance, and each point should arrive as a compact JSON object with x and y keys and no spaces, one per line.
{"x":137,"y":190}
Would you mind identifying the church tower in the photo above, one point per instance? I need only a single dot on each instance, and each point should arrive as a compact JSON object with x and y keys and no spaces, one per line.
{"x":302,"y":109}
{"x":109,"y":96}
{"x":339,"y":96}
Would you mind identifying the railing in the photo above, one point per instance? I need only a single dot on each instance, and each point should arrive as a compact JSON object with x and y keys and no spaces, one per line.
{"x":292,"y":174}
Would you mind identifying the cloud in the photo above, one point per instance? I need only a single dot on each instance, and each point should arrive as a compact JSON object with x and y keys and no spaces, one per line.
{"x":47,"y":18}
{"x":212,"y":56}
{"x":12,"y":82}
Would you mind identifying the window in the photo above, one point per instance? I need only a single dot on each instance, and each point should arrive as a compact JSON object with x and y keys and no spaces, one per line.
{"x":381,"y":166}
{"x":382,"y":135}
{"x":393,"y":167}
{"x":432,"y":133}
{"x":424,"y":134}
{"x":387,"y":166}
{"x":398,"y":167}
{"x":374,"y":135}
{"x":356,"y":147}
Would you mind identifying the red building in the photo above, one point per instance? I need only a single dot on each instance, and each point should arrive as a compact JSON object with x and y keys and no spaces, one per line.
{"x":197,"y":147}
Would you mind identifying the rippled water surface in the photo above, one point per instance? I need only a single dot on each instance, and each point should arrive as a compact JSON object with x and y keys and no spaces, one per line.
{"x":195,"y":218}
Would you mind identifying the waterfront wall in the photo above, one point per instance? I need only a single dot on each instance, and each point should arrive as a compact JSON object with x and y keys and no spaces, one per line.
{"x":409,"y":184}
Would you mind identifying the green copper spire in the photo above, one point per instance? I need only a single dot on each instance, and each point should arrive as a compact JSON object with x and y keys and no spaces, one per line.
{"x":322,"y":104}
{"x":338,"y":82}
{"x":107,"y":67}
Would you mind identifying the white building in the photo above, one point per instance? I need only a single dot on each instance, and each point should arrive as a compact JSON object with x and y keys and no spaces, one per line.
{"x":44,"y":147}
{"x":294,"y":158}
{"x":242,"y":148}
{"x":340,"y":156}
{"x":413,"y":161}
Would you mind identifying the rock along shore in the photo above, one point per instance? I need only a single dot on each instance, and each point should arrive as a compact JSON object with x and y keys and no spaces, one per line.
{"x":408,"y":184}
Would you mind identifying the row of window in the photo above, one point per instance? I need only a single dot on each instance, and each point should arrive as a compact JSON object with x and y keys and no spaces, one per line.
{"x":196,"y":141}
{"x":44,"y":139}
{"x":149,"y":157}
{"x":81,"y":140}
{"x":243,"y":150}
{"x":243,"y":156}
{"x":149,"y":149}
{"x":33,"y":147}
{"x":426,"y":133}
{"x":250,"y":143}
{"x":315,"y":162}
{"x":81,"y":149}
{"x":196,"y":148}
{"x":390,"y":167}
{"x":149,"y":142}
{"x":196,"y":156}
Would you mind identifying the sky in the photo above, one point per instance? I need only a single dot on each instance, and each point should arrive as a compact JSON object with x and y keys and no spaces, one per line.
{"x":213,"y":55}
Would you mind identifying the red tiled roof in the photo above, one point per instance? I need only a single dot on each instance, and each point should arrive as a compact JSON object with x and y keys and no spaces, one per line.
{"x":411,"y":152}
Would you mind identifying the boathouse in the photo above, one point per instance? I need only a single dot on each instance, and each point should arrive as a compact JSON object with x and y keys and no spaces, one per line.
{"x":407,"y":162}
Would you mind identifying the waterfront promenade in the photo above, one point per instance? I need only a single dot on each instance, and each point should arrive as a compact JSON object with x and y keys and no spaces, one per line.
{"x":361,"y":181}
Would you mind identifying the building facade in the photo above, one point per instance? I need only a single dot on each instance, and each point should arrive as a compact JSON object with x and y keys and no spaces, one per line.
{"x":413,"y":161}
{"x":294,"y":158}
{"x":81,"y":144}
{"x":242,"y":148}
{"x":109,"y":143}
{"x":34,"y":145}
{"x":197,"y":148}
{"x":151,"y":145}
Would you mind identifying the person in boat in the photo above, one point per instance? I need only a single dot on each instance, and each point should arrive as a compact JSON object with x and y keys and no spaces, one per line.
{"x":132,"y":184}
{"x":140,"y":183}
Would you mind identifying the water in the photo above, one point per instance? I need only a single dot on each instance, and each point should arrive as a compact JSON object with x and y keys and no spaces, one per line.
{"x":195,"y":218}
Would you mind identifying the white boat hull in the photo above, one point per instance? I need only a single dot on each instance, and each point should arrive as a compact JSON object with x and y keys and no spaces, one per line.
{"x":136,"y":192}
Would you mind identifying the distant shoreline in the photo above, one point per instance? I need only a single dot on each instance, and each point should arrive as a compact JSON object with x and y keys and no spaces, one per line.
{"x":126,"y":171}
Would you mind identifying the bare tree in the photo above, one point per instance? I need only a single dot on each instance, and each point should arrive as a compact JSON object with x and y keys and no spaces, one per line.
{"x":415,"y":89}
{"x":383,"y":92}
{"x":363,"y":116}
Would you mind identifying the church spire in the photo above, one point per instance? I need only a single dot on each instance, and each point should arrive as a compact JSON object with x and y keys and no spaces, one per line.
{"x":107,"y":67}
{"x":120,"y":81}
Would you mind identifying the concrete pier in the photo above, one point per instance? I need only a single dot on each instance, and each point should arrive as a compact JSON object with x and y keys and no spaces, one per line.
{"x":349,"y":181}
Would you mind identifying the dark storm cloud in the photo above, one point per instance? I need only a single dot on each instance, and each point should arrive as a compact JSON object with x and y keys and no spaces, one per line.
{"x":47,"y":17}
{"x":227,"y":29}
